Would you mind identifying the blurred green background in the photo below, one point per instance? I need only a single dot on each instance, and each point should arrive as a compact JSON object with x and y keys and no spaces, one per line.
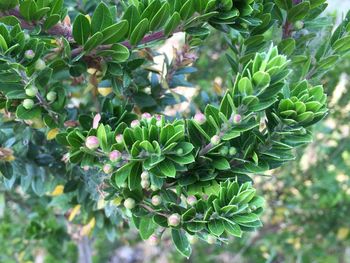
{"x":307,"y":218}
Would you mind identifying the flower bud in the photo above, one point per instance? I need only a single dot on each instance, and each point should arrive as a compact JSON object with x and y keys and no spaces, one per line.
{"x":211,"y":239}
{"x":92,"y":142}
{"x":154,"y":188}
{"x":200,"y":118}
{"x":40,"y":65}
{"x":215,"y":140}
{"x":145,"y":184}
{"x":28,"y":104}
{"x":191,"y":200}
{"x":146,"y":116}
{"x":107,"y":168}
{"x":129,"y":203}
{"x":232,"y":151}
{"x":29,"y":54}
{"x":299,"y":25}
{"x":145,"y":175}
{"x":193,"y":239}
{"x":31,"y":91}
{"x":179,"y":151}
{"x":253,"y":207}
{"x":154,"y":240}
{"x":237,"y":118}
{"x":119,"y":138}
{"x":156,"y":200}
{"x":86,"y":168}
{"x":51,"y":96}
{"x":224,"y":151}
{"x":174,"y":220}
{"x":115,"y":155}
{"x":134,"y":123}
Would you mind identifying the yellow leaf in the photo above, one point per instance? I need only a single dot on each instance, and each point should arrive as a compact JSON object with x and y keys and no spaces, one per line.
{"x":74,"y":212}
{"x":105,"y":91}
{"x":343,"y":233}
{"x":52,"y":134}
{"x":58,"y":190}
{"x":86,"y":230}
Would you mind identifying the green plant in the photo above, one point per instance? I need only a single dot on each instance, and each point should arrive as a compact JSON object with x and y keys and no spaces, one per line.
{"x":108,"y":147}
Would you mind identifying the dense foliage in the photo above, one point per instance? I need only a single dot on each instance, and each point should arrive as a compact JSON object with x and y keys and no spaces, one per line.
{"x":84,"y":110}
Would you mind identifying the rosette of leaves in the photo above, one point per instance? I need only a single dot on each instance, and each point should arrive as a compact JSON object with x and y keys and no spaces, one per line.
{"x":305,"y":106}
{"x":256,"y":88}
{"x":232,"y":209}
{"x":158,"y":147}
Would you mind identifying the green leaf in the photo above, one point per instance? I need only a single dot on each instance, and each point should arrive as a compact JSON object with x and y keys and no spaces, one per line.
{"x":172,"y":24}
{"x":28,"y":9}
{"x":118,"y":52}
{"x":233,"y":229}
{"x":181,"y":242}
{"x":115,"y":33}
{"x":101,"y":18}
{"x":146,"y":227}
{"x":93,"y":41}
{"x":161,"y":17}
{"x":167,"y":168}
{"x":132,"y":15}
{"x":102,"y":137}
{"x":216,"y":227}
{"x":81,"y":29}
{"x":221,"y":164}
{"x":25,"y":114}
{"x":186,"y":10}
{"x":284,"y":4}
{"x":298,"y":12}
{"x":51,"y":21}
{"x":139,"y":32}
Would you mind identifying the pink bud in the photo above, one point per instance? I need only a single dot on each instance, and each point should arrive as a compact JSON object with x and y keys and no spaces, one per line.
{"x":92,"y":142}
{"x":107,"y":168}
{"x":156,"y":200}
{"x":29,"y":54}
{"x":145,"y":175}
{"x":96,"y":121}
{"x":146,"y":116}
{"x":237,"y":118}
{"x":154,"y":240}
{"x":200,"y":118}
{"x":174,"y":220}
{"x":158,"y":117}
{"x":134,"y":123}
{"x":115,"y":155}
{"x":191,"y":200}
{"x":119,"y":138}
{"x":215,"y":140}
{"x":86,"y":168}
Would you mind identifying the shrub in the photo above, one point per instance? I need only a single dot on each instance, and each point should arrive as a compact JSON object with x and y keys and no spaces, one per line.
{"x":83,"y":108}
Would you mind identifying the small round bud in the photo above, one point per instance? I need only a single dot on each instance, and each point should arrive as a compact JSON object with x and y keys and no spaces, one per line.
{"x":179,"y":151}
{"x":154,"y":240}
{"x":191,"y":200}
{"x":174,"y":220}
{"x":146,"y":116}
{"x":107,"y":168}
{"x":29,"y":54}
{"x":154,"y":188}
{"x":145,"y":184}
{"x":31,"y":91}
{"x":224,"y":151}
{"x":86,"y":168}
{"x":215,"y":140}
{"x":115,"y":155}
{"x":40,"y":65}
{"x":299,"y":25}
{"x":145,"y":175}
{"x":156,"y":200}
{"x":237,"y":118}
{"x":232,"y":151}
{"x":51,"y":96}
{"x":129,"y":203}
{"x":211,"y":239}
{"x":193,"y":239}
{"x":119,"y":138}
{"x":253,"y":207}
{"x":134,"y":123}
{"x":28,"y":104}
{"x":158,"y":117}
{"x":200,"y":118}
{"x":92,"y":142}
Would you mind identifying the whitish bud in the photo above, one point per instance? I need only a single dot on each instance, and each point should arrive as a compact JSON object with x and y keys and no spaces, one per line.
{"x":232,"y":151}
{"x":237,"y":118}
{"x":107,"y":168}
{"x":119,"y":138}
{"x":200,"y":118}
{"x":92,"y":142}
{"x":145,"y":184}
{"x":174,"y":220}
{"x":191,"y":200}
{"x":145,"y":175}
{"x":40,"y":65}
{"x":129,"y":203}
{"x":156,"y":200}
{"x":31,"y":91}
{"x":215,"y":140}
{"x":51,"y":96}
{"x":146,"y":116}
{"x":134,"y":123}
{"x":115,"y":155}
{"x":28,"y":104}
{"x":153,"y":240}
{"x":29,"y":54}
{"x":211,"y":239}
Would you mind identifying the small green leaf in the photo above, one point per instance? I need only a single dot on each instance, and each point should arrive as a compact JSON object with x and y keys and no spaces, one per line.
{"x":101,"y":18}
{"x":93,"y":41}
{"x":81,"y":29}
{"x":216,"y":227}
{"x":167,"y":168}
{"x":139,"y":32}
{"x":146,"y":227}
{"x":181,"y":242}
